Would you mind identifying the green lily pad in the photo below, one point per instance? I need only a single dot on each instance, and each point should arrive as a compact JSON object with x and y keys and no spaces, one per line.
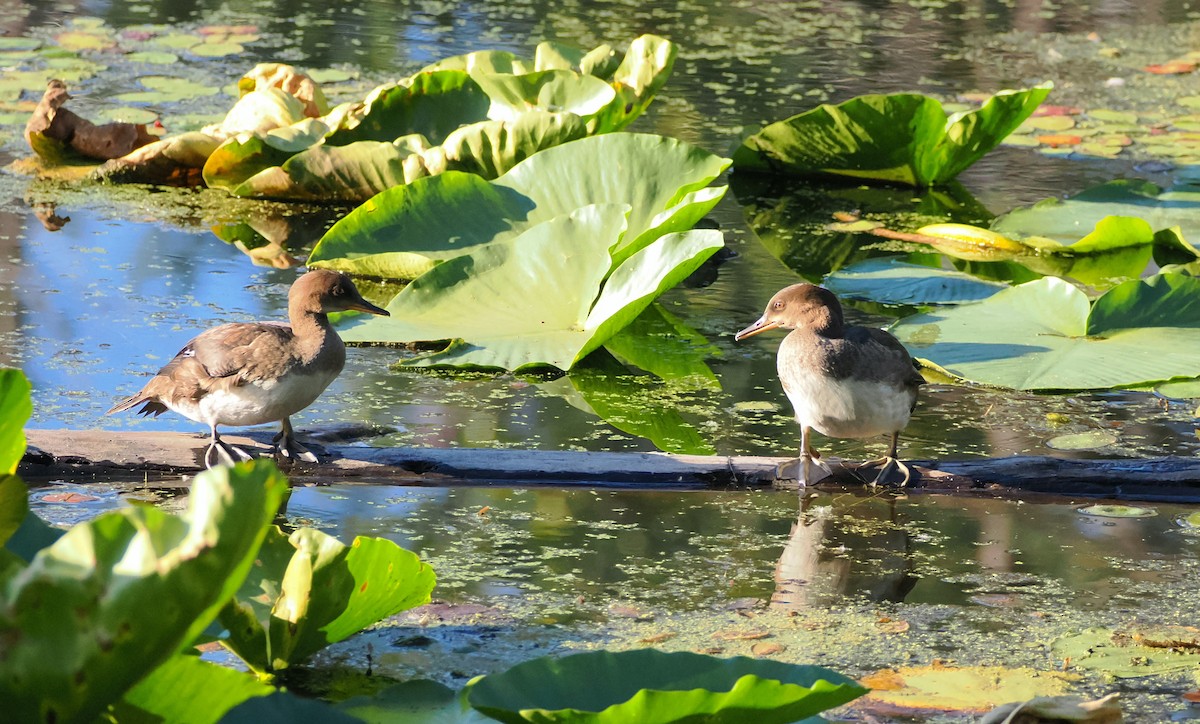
{"x":414,"y":702}
{"x":506,"y":285}
{"x":331,"y":75}
{"x":176,"y":41}
{"x":1045,"y":335}
{"x":309,"y":590}
{"x":1180,"y":389}
{"x":430,"y":104}
{"x":166,"y":89}
{"x":905,"y":138}
{"x":1090,"y":440}
{"x":653,"y":687}
{"x":555,"y":91}
{"x":127,"y":115}
{"x":85,"y":40}
{"x":1118,"y":511}
{"x":216,"y":50}
{"x":889,"y":280}
{"x":15,"y":409}
{"x":19,"y":43}
{"x":1067,"y":219}
{"x":153,"y":57}
{"x":405,"y":231}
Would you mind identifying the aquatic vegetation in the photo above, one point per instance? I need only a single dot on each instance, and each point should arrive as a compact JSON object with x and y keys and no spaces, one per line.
{"x":1132,"y":651}
{"x":658,"y":688}
{"x":15,"y":409}
{"x":1046,"y":335}
{"x":308,"y":590}
{"x":891,"y":280}
{"x":481,"y":113}
{"x":900,"y":138}
{"x":927,"y":690}
{"x":497,"y":249}
{"x":76,"y":611}
{"x":506,"y":286}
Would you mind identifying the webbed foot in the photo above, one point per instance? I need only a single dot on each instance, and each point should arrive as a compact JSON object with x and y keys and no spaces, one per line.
{"x":813,"y":473}
{"x":287,"y":447}
{"x":892,"y":472}
{"x":220,"y":452}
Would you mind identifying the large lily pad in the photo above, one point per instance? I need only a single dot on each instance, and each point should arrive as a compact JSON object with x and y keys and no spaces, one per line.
{"x":1067,"y":219}
{"x":309,"y":590}
{"x":1045,"y":335}
{"x":653,"y":687}
{"x":903,"y":138}
{"x":76,"y":620}
{"x":891,"y":280}
{"x":405,"y":231}
{"x":537,"y":299}
{"x":1130,"y":653}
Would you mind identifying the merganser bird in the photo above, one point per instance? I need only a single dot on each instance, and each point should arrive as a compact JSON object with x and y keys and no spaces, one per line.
{"x":843,"y":381}
{"x":256,"y":372}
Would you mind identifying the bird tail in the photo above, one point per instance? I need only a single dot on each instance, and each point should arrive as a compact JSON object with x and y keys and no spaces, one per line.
{"x":152,"y":407}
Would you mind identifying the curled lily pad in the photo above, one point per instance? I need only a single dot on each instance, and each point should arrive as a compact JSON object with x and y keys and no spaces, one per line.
{"x":653,"y":687}
{"x":905,"y":138}
{"x":1118,"y":511}
{"x":505,"y":286}
{"x":15,"y":408}
{"x":1045,"y":335}
{"x":405,"y":231}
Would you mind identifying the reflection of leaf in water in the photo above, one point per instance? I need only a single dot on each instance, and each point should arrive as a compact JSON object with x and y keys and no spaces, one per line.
{"x":791,"y":219}
{"x":660,"y":343}
{"x":637,"y":404}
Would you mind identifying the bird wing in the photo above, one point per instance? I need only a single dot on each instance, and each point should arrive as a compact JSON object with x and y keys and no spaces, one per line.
{"x":242,"y":352}
{"x":881,"y":356}
{"x":219,"y":358}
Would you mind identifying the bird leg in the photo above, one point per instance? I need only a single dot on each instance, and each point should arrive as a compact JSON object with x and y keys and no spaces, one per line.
{"x":220,"y":452}
{"x":889,"y":465}
{"x":287,"y":446}
{"x":801,"y":469}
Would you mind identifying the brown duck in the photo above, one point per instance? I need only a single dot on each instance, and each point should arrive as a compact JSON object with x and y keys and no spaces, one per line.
{"x":257,"y":372}
{"x":843,"y":381}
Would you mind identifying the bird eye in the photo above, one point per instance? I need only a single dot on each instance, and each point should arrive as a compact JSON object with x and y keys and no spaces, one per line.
{"x":778,"y":304}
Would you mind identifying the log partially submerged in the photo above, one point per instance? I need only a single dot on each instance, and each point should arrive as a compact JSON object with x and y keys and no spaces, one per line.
{"x":167,"y":459}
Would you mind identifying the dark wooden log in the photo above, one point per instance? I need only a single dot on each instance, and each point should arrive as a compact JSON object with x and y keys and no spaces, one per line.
{"x":169,"y":459}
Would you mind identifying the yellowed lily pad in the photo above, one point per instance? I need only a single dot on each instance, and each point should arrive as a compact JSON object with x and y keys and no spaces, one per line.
{"x":918,"y":690}
{"x":1125,"y":653}
{"x":176,"y":41}
{"x":153,"y":57}
{"x":127,"y":115}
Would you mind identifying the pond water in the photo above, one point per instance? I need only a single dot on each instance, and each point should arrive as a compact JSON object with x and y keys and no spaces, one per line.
{"x":92,"y":307}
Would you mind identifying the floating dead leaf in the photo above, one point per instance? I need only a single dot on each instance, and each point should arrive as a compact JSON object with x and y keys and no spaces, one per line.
{"x":1191,"y":696}
{"x":53,"y":131}
{"x":658,"y":638}
{"x":767,"y":648}
{"x":923,"y":690}
{"x":743,"y":604}
{"x":997,"y":600}
{"x":890,"y":625}
{"x":743,"y":635}
{"x":711,"y":650}
{"x":483,"y":511}
{"x":625,"y":610}
{"x":1052,"y":110}
{"x":1056,"y":140}
{"x":1167,"y":637}
{"x":68,"y":498}
{"x":1172,"y":67}
{"x":1058,"y":710}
